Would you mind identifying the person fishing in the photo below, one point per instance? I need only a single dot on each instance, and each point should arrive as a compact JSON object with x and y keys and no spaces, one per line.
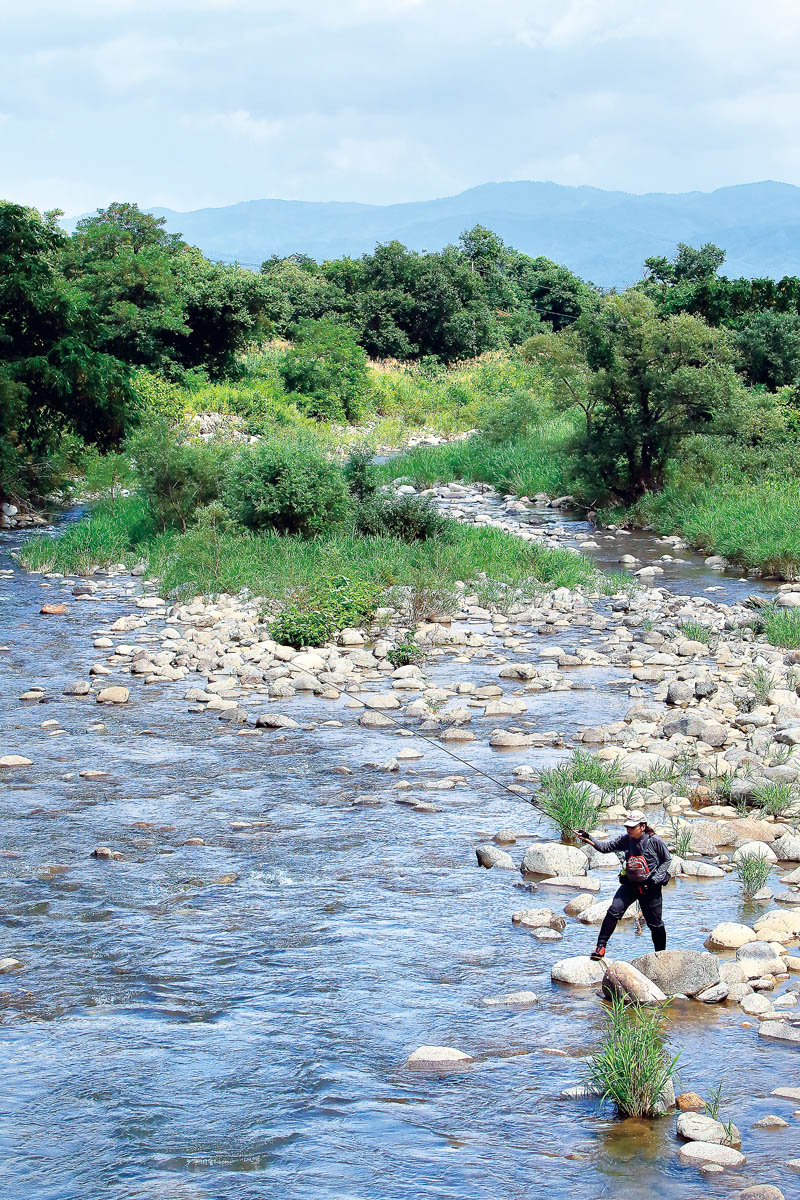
{"x":646,"y":870}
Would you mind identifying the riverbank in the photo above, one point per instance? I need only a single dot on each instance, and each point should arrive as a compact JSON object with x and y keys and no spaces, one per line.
{"x":752,"y":521}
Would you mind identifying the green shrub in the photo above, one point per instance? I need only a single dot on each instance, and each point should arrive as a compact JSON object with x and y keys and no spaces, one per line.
{"x":775,"y":799}
{"x":405,"y":653}
{"x":286,"y":486}
{"x":408,"y":518}
{"x":314,"y":613}
{"x":509,"y":419}
{"x":177,"y":475}
{"x":782,"y":628}
{"x":155,"y":397}
{"x":326,"y":370}
{"x":632,"y":1067}
{"x":361,"y":474}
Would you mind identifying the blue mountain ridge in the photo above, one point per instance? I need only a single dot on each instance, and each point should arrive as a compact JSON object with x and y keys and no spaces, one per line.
{"x":604,"y":236}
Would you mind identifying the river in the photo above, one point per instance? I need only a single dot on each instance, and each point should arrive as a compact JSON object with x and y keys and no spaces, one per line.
{"x":232,"y":1020}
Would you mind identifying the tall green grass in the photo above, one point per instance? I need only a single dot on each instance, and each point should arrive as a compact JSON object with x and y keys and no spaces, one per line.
{"x":272,"y":565}
{"x":753,"y":523}
{"x":632,"y":1067}
{"x":536,"y":463}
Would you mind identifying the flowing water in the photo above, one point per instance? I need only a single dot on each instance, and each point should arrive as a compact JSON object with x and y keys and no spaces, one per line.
{"x":231,"y":1020}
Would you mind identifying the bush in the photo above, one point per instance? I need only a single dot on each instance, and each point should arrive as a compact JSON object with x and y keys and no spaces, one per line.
{"x":404,"y":654}
{"x":289,"y":487}
{"x":510,"y":419}
{"x":632,"y":1067}
{"x":327,"y":370}
{"x":361,"y":474}
{"x":177,"y":475}
{"x":315,"y":613}
{"x":405,"y":517}
{"x":155,"y":397}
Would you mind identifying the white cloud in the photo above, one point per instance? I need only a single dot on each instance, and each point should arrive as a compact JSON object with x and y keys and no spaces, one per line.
{"x":239,"y":124}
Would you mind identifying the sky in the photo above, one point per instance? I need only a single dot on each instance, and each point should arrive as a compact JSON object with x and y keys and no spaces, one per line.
{"x":196,"y":103}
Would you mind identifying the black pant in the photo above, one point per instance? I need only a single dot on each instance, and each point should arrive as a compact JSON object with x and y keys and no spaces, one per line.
{"x":650,"y":903}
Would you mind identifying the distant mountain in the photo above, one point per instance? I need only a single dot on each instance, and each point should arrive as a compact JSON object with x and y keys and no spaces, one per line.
{"x":603,"y":236}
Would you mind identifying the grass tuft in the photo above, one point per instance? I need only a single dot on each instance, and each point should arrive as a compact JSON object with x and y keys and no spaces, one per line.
{"x":632,"y":1066}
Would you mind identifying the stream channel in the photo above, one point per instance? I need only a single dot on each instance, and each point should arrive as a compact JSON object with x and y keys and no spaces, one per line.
{"x":232,"y":1020}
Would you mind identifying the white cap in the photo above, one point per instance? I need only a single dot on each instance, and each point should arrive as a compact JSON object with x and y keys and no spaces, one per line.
{"x":635,"y":818}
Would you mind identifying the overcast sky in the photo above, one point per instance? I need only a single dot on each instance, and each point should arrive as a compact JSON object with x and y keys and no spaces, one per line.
{"x":189,"y":103}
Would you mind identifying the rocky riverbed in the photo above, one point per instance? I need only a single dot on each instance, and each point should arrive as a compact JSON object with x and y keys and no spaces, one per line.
{"x":255,"y":746}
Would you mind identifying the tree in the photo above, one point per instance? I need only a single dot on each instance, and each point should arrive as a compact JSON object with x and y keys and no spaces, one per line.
{"x":769,"y":344}
{"x":53,"y":378}
{"x":563,"y":356}
{"x":653,"y":381}
{"x":327,"y":370}
{"x":688,"y":265}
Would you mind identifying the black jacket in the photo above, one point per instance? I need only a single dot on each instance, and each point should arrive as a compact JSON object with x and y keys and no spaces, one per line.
{"x":654,"y":850}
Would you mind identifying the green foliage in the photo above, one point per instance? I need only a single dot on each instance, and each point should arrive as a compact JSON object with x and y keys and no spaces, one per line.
{"x":753,"y":872}
{"x":584,"y":767}
{"x":782,"y":628}
{"x":775,"y":799}
{"x":409,"y":518}
{"x":110,"y":535}
{"x":177,"y":475}
{"x":696,"y":632}
{"x":286,"y":486}
{"x":715,"y":1102}
{"x":361,"y":475}
{"x":570,"y":805}
{"x":681,"y":833}
{"x":653,"y":382}
{"x":769,"y":345}
{"x":315,"y":613}
{"x":405,"y":654}
{"x":155,"y":396}
{"x":510,"y":419}
{"x":53,"y":378}
{"x":759,"y":681}
{"x":632,"y":1067}
{"x":326,"y":370}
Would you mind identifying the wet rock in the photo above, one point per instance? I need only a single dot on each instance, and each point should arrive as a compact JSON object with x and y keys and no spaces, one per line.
{"x":10,"y":964}
{"x":538,"y":918}
{"x":9,"y":761}
{"x":553,"y":858}
{"x":754,"y":1005}
{"x":438,"y":1056}
{"x":696,"y":1153}
{"x":579,"y":971}
{"x":503,"y":739}
{"x":492,"y":856}
{"x":622,"y":979}
{"x":690,"y":1102}
{"x":113,"y":695}
{"x":53,"y":610}
{"x":697,"y":1127}
{"x":572,"y":881}
{"x":787,"y":1093}
{"x":510,"y":1000}
{"x":680,"y":972}
{"x":80,"y":687}
{"x":578,"y":904}
{"x":276,"y":721}
{"x":780,"y":1031}
{"x":730,"y":936}
{"x":771,"y":1122}
{"x":714,"y":994}
{"x":375,"y":720}
{"x":106,"y":853}
{"x":761,"y":1191}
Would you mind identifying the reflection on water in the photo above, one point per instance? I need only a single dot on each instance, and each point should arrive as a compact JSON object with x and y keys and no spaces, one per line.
{"x":231,"y":1020}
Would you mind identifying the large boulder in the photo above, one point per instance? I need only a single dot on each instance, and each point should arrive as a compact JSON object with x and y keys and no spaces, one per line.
{"x":787,"y":847}
{"x":538,"y":918}
{"x":579,"y":971}
{"x":622,"y":979}
{"x":697,"y":1127}
{"x":680,"y":972}
{"x":780,"y":1031}
{"x":696,"y":1154}
{"x":730,"y":936}
{"x":553,"y":858}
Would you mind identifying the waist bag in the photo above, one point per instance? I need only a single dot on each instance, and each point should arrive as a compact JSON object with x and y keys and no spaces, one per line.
{"x":635,"y":870}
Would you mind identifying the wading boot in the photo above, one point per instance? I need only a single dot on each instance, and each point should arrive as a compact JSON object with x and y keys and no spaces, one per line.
{"x":598,"y":954}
